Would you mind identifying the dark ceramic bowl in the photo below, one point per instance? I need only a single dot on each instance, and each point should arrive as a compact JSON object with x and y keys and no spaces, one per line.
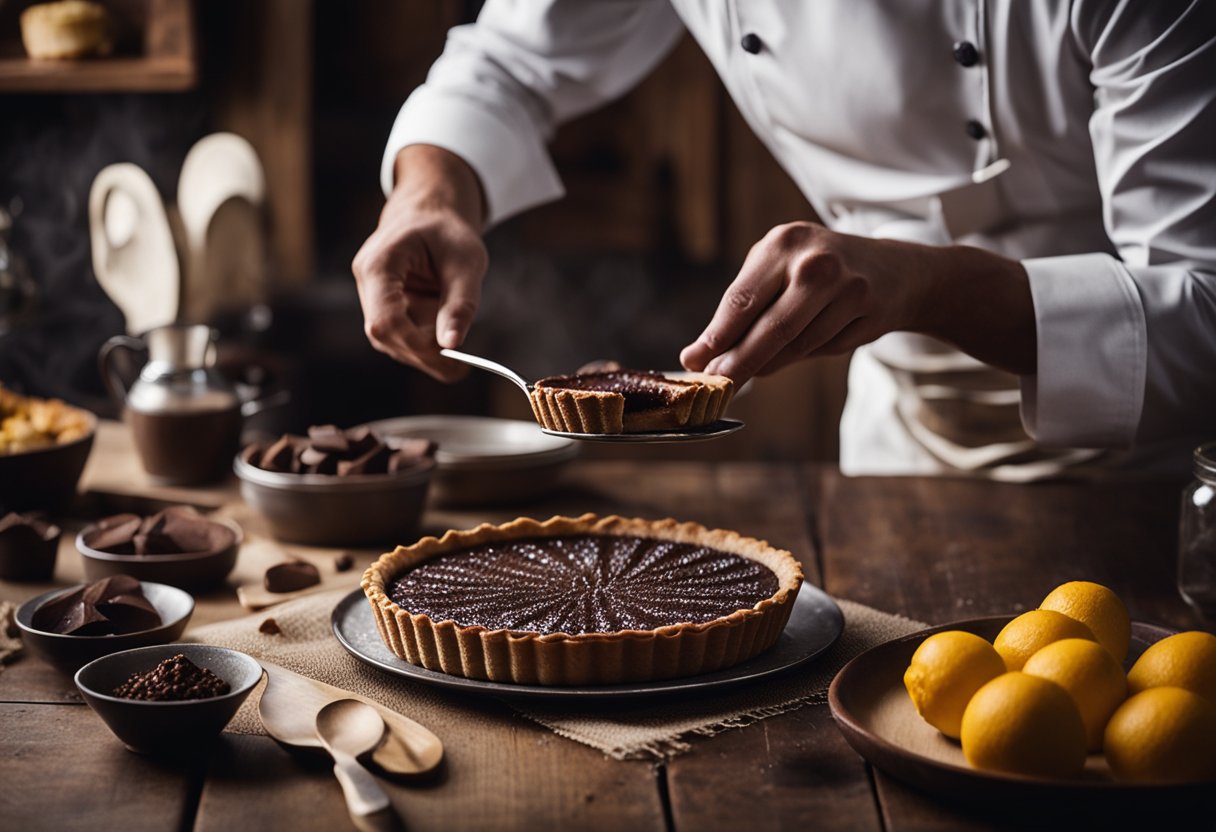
{"x":190,"y":570}
{"x":45,"y":479}
{"x":178,"y":729}
{"x":26,"y":555}
{"x":328,"y":510}
{"x":68,"y":653}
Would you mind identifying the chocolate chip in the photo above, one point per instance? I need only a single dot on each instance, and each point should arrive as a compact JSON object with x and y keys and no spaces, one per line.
{"x":270,"y":627}
{"x":343,"y":562}
{"x":173,"y":680}
{"x":290,"y":576}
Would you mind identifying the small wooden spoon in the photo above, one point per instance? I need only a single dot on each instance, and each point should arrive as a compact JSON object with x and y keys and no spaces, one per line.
{"x":349,"y":728}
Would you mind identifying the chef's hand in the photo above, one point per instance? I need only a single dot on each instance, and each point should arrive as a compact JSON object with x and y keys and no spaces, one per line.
{"x":807,"y":291}
{"x":419,"y":274}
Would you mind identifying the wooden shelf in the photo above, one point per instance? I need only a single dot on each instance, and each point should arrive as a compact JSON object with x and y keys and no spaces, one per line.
{"x":158,"y":54}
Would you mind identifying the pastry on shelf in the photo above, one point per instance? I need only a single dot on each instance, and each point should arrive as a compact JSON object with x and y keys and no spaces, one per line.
{"x":605,"y":398}
{"x":66,"y":29}
{"x":582,"y":600}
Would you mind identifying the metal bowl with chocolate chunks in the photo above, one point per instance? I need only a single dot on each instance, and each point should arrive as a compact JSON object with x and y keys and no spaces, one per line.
{"x":336,"y":487}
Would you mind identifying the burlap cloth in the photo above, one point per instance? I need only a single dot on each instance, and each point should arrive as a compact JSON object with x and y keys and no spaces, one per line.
{"x":629,"y":730}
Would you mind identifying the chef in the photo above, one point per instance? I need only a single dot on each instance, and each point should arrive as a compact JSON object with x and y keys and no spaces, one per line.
{"x":1018,"y":201}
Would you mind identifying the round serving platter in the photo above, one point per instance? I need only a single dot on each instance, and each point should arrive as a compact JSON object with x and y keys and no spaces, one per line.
{"x":872,"y":708}
{"x":815,"y":624}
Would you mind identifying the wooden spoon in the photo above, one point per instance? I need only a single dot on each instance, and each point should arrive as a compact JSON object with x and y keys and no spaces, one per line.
{"x":349,"y":728}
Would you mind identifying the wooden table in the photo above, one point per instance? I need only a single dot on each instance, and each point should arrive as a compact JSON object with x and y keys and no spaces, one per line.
{"x":933,"y":549}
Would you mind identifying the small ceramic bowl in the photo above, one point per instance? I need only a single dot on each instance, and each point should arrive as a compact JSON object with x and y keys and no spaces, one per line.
{"x":189,"y":570}
{"x":68,"y":652}
{"x":328,"y":510}
{"x":45,"y":479}
{"x":178,"y":729}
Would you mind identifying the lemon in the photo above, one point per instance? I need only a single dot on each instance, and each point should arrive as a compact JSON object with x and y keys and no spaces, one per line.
{"x":1090,"y":675}
{"x":946,"y":669}
{"x":1024,"y":724}
{"x":1025,"y":635}
{"x":1098,"y":608}
{"x":1163,"y":735}
{"x":1185,"y":660}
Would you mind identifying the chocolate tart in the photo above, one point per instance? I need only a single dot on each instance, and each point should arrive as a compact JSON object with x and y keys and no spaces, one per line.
{"x":629,"y":401}
{"x":582,"y":600}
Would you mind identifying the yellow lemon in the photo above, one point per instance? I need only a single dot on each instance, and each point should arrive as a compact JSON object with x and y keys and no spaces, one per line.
{"x":1090,"y":674}
{"x":1031,"y":631}
{"x":1096,"y":607}
{"x":1163,"y":735}
{"x":1184,"y":660}
{"x":946,"y":669}
{"x":1024,"y":724}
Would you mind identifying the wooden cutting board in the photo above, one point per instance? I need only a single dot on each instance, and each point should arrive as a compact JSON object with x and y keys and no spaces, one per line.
{"x":289,"y":706}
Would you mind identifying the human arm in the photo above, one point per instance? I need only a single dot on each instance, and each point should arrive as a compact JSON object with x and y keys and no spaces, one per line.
{"x":490,"y":102}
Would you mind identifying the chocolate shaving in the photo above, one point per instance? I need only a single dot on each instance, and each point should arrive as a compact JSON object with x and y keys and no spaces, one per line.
{"x":290,"y":576}
{"x":112,"y":606}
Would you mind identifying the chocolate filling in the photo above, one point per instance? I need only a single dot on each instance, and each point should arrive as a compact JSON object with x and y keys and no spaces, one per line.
{"x":583,"y":584}
{"x":642,"y":389}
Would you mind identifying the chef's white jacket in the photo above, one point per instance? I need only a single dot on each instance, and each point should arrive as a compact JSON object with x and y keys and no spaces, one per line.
{"x":1077,"y":137}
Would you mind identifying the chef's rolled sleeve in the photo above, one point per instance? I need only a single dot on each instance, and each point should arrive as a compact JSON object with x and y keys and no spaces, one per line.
{"x":1089,"y":386}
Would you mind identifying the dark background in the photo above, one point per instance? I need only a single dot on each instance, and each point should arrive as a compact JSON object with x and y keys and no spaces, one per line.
{"x":667,"y":190}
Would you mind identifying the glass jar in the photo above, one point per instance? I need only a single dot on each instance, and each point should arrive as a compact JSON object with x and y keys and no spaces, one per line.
{"x":1197,"y":535}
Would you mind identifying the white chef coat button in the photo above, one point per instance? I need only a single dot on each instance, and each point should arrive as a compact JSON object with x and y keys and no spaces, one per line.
{"x":966,"y":54}
{"x":751,"y":43}
{"x":976,"y":130}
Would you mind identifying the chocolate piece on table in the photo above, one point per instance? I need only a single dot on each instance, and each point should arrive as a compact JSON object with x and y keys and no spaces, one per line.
{"x":343,"y":562}
{"x":270,"y":627}
{"x":328,"y":438}
{"x":290,"y":576}
{"x":279,"y":456}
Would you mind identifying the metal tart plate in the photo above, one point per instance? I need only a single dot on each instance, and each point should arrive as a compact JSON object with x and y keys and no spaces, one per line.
{"x":714,"y":430}
{"x":815,"y":624}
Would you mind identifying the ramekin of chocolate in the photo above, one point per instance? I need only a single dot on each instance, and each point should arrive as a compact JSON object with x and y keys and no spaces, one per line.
{"x":338,"y":487}
{"x":28,"y":546}
{"x":170,"y":699}
{"x":177,"y":546}
{"x":69,"y":627}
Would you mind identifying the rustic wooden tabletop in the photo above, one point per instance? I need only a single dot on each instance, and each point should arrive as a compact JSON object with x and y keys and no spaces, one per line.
{"x":936,"y":550}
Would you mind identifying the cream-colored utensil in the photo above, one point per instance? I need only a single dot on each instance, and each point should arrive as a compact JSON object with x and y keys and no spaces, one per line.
{"x":722,"y":427}
{"x":290,"y":703}
{"x":349,"y":729}
{"x":135,"y":257}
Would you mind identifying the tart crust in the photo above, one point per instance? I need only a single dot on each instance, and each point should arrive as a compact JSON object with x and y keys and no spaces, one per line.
{"x":694,"y":400}
{"x":531,"y":658}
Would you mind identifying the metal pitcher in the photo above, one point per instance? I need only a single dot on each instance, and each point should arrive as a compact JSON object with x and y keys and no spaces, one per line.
{"x":185,"y":416}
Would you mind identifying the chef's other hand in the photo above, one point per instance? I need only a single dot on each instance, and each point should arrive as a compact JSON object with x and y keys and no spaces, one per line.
{"x":805,"y":291}
{"x":419,"y":274}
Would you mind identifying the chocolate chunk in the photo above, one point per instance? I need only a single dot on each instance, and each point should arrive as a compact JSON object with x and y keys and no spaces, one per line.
{"x":343,"y":562}
{"x":328,"y":438}
{"x":251,"y":454}
{"x":290,"y":576}
{"x":374,"y":461}
{"x":315,"y":461}
{"x":111,"y":606}
{"x":279,"y":456}
{"x":361,"y":440}
{"x":116,"y":534}
{"x":270,"y":627}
